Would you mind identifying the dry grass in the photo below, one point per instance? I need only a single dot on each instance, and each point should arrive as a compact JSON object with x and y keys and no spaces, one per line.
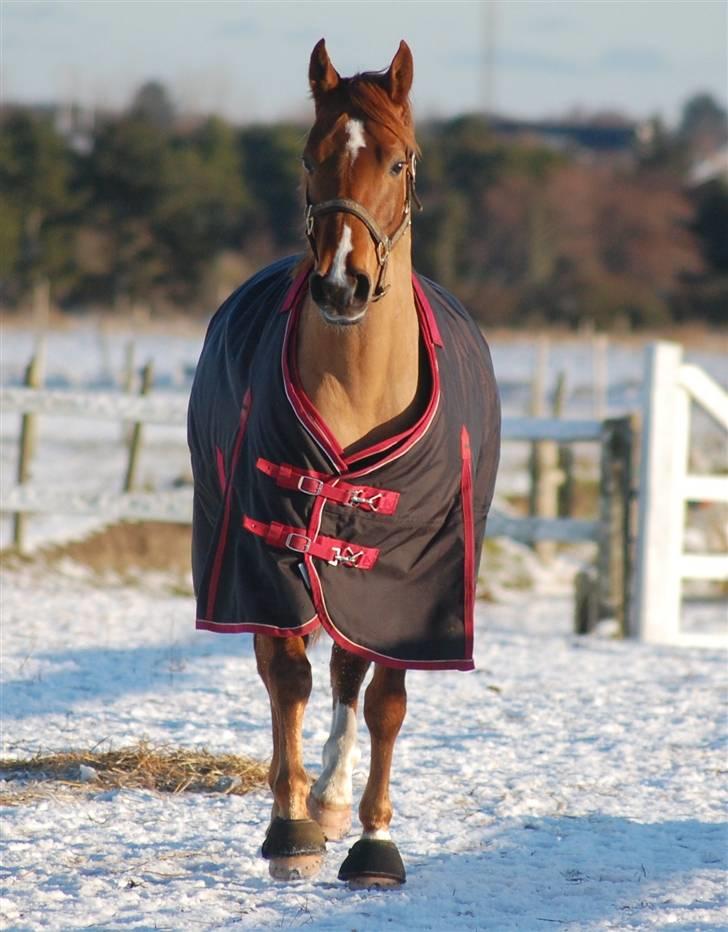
{"x":127,"y":553}
{"x":129,"y":546}
{"x":139,"y":766}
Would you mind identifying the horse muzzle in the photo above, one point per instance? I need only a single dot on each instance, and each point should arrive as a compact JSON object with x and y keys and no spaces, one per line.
{"x":342,"y":301}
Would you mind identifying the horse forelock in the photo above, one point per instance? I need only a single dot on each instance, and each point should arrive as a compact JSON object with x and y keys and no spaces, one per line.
{"x":365,"y":95}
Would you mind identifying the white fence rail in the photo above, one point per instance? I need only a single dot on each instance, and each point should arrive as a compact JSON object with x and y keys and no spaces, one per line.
{"x":665,"y":487}
{"x":155,"y":408}
{"x":176,"y":506}
{"x":607,"y":594}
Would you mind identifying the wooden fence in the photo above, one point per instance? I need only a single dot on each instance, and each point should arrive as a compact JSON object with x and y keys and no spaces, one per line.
{"x":665,"y":486}
{"x":603,"y":594}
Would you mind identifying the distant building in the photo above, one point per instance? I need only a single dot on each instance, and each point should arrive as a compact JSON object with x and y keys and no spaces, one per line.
{"x":607,"y":134}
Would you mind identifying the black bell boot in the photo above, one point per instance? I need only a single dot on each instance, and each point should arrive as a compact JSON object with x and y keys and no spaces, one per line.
{"x":294,"y":848}
{"x":373,"y":862}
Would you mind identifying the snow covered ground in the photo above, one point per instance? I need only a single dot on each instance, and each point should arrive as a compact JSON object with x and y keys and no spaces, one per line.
{"x":573,"y":783}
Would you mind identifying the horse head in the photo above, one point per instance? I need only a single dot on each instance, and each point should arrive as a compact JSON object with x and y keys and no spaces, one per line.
{"x":359,"y":163}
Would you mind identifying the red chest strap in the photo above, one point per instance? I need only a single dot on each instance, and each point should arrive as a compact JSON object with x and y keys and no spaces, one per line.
{"x":331,"y":549}
{"x":382,"y":501}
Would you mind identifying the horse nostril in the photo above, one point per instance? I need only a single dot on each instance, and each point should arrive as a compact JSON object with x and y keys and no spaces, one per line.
{"x":363,"y":288}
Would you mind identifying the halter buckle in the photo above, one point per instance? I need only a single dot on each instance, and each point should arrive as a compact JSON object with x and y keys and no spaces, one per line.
{"x":308,"y":219}
{"x":383,"y":250}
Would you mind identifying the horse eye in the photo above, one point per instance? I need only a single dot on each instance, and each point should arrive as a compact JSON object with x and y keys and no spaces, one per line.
{"x":397,"y":168}
{"x":308,"y":167}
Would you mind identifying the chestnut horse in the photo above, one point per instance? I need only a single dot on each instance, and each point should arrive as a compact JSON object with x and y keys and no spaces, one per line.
{"x":383,"y":378}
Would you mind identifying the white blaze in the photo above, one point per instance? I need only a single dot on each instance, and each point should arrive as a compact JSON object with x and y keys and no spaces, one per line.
{"x":337,"y":272}
{"x":340,"y":756}
{"x":355,"y":138}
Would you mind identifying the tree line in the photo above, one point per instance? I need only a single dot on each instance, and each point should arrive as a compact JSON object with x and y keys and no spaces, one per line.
{"x":150,"y":210}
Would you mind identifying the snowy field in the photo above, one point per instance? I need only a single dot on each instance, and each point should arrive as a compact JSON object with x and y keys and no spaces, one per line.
{"x":568,"y":782}
{"x":573,"y":783}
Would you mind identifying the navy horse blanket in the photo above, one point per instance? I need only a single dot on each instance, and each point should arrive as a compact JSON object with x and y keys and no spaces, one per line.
{"x":380,"y":547}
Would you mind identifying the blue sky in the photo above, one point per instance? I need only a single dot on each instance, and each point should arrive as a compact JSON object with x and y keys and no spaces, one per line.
{"x":248,"y":60}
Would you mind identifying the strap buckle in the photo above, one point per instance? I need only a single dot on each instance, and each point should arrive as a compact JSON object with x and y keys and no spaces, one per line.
{"x":292,"y":540}
{"x":348,"y":556}
{"x":310,"y":485}
{"x":359,"y":498}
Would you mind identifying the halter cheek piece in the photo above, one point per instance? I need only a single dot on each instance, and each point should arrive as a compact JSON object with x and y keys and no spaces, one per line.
{"x":383,"y":244}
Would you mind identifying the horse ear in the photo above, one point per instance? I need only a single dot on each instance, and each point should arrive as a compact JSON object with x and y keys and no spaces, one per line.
{"x":322,"y":76}
{"x":400,"y":74}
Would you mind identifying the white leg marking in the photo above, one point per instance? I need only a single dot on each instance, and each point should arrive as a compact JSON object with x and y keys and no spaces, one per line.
{"x":340,"y":756}
{"x":355,"y":138}
{"x":337,"y":272}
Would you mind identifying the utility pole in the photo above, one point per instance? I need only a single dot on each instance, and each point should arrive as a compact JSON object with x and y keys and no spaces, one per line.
{"x":488,"y":16}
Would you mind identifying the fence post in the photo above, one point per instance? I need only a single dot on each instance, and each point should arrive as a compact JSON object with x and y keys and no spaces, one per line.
{"x":565,"y":493}
{"x":28,"y":439}
{"x":135,"y":444}
{"x":665,"y":432}
{"x":586,"y":609}
{"x":128,"y":379}
{"x":544,"y":473}
{"x":537,"y":409}
{"x":601,"y":376}
{"x":615,"y":507}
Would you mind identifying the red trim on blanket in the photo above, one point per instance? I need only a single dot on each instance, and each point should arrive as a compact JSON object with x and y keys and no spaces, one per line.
{"x":433,"y":331}
{"x":312,"y":420}
{"x":293,"y":295}
{"x":302,"y":407}
{"x":221,"y":627}
{"x":341,"y":639}
{"x":222,"y":539}
{"x":220,"y":460}
{"x":466,"y":492}
{"x":416,"y":433}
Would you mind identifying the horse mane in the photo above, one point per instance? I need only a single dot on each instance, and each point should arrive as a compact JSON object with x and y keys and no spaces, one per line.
{"x":366,"y":93}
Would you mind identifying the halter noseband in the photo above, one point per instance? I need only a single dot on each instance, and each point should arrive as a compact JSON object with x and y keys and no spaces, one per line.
{"x":383,"y":243}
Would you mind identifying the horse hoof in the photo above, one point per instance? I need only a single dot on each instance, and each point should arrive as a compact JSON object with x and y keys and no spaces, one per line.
{"x":373,"y":862}
{"x":302,"y":867}
{"x":335,"y":822}
{"x":294,"y":847}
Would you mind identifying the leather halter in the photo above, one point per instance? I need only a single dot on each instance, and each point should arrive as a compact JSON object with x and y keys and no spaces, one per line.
{"x":383,"y":243}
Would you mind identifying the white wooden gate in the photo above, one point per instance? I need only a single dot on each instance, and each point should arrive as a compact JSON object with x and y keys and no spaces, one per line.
{"x":666,"y":486}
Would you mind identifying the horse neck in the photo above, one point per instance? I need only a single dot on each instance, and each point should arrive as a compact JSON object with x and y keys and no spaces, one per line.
{"x":363,"y":380}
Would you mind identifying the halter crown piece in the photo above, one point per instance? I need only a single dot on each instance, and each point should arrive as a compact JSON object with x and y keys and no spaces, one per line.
{"x":383,"y":243}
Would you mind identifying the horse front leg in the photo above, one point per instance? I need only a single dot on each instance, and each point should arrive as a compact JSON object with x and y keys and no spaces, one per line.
{"x":330,"y":799}
{"x":374,"y":860}
{"x":294,"y":844}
